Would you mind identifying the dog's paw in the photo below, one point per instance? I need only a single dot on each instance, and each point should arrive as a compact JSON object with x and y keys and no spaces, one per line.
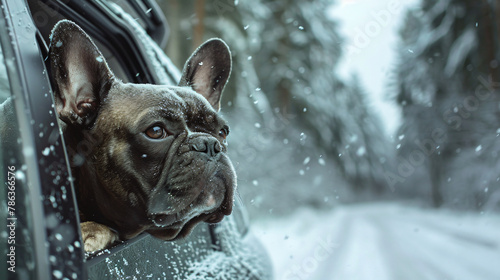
{"x":96,"y":236}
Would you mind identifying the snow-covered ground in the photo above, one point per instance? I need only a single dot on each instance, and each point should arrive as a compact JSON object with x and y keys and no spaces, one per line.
{"x":383,"y":241}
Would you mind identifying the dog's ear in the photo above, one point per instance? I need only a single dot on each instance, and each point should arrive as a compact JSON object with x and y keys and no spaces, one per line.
{"x":207,"y":70}
{"x":81,"y":76}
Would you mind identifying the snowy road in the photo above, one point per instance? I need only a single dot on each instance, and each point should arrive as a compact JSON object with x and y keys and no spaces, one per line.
{"x":385,"y":241}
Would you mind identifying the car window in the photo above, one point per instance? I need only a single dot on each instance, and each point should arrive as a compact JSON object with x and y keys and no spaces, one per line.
{"x":165,"y":71}
{"x":16,"y":232}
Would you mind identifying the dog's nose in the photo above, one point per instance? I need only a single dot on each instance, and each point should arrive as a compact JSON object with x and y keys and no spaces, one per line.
{"x":210,"y":146}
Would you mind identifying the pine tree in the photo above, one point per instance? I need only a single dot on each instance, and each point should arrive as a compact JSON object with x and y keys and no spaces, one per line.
{"x":300,"y":51}
{"x":448,"y":92}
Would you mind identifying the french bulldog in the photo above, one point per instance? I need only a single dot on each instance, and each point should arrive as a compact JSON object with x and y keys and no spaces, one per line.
{"x":145,"y":158}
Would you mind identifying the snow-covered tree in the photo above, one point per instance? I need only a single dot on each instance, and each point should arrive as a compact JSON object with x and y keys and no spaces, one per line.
{"x":448,"y":88}
{"x":300,"y":49}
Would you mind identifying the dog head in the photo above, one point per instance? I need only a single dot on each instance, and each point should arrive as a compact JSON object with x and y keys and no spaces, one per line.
{"x":145,"y":157}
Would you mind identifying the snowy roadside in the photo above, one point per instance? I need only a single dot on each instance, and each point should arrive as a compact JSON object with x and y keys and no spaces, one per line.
{"x":383,"y":241}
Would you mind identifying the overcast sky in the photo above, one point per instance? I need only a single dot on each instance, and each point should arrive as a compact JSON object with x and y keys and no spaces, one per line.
{"x":370,"y":29}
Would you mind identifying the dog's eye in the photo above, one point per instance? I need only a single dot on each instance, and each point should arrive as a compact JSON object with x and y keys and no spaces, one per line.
{"x":156,"y":132}
{"x":224,"y":132}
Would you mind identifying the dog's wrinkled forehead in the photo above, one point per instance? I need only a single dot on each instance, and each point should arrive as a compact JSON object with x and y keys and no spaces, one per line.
{"x":175,"y":103}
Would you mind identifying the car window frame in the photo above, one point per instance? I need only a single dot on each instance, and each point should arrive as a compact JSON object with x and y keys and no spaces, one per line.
{"x":116,"y":36}
{"x":39,"y":131}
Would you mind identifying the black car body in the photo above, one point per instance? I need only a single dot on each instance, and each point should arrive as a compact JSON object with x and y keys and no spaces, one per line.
{"x":41,"y":237}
